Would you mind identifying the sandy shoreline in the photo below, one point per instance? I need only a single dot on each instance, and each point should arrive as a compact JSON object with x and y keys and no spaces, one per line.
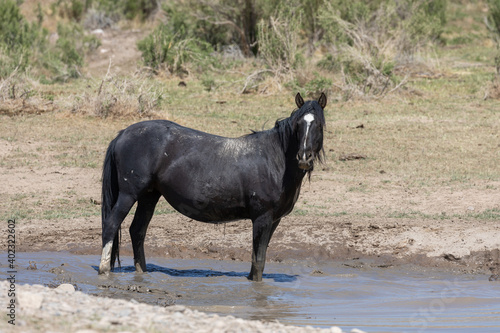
{"x":42,"y":309}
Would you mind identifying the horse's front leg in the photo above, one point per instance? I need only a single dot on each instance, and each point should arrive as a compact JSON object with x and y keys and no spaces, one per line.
{"x":263,"y":228}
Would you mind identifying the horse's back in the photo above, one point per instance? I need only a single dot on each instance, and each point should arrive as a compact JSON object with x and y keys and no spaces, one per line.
{"x":206,"y":177}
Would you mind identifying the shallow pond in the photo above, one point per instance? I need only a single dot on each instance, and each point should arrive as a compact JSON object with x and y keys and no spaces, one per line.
{"x":349,"y":294}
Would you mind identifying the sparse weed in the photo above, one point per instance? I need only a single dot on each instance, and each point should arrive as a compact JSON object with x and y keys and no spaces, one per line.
{"x":118,"y":96}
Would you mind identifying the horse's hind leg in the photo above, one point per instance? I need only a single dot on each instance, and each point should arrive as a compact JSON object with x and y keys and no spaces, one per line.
{"x":110,"y":229}
{"x":145,"y":210}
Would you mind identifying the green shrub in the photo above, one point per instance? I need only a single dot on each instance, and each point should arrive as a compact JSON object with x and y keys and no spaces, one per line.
{"x":318,"y":85}
{"x":328,"y":63}
{"x":166,"y":49}
{"x":65,"y":58}
{"x":24,"y":45}
{"x":19,"y":40}
{"x":279,"y":38}
{"x":368,"y":39}
{"x":409,"y":23}
{"x":139,"y":9}
{"x":421,"y":22}
{"x":493,"y":25}
{"x":69,"y":44}
{"x":310,"y":87}
{"x":219,"y":23}
{"x":124,"y":9}
{"x":209,"y":83}
{"x":70,"y":9}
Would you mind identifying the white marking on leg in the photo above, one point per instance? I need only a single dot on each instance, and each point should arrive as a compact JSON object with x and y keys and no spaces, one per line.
{"x":105,"y":264}
{"x":309,"y":118}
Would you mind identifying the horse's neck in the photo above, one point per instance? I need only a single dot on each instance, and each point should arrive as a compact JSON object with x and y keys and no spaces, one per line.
{"x":292,"y":181}
{"x":293,"y":174}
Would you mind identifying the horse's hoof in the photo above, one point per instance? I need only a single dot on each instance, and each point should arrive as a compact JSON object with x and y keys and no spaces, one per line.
{"x":138,"y":269}
{"x":103,"y":271}
{"x":254,"y":278}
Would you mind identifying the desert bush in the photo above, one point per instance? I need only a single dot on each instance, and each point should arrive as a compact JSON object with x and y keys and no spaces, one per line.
{"x":66,"y":57}
{"x":225,"y":22}
{"x":69,"y":44}
{"x":317,"y":85}
{"x":139,"y":9}
{"x":19,"y":40}
{"x":101,"y":14}
{"x":70,"y":9}
{"x":217,"y":22}
{"x":13,"y":86}
{"x":421,"y":22}
{"x":311,"y":87}
{"x":166,"y":49}
{"x":236,"y":22}
{"x":97,"y":19}
{"x":409,"y":23}
{"x":492,"y":22}
{"x":367,"y":40}
{"x":25,"y":46}
{"x":116,"y":10}
{"x":279,"y":40}
{"x":310,"y":23}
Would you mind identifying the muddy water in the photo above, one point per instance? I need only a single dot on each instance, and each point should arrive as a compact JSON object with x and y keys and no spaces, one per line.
{"x":347,"y":294}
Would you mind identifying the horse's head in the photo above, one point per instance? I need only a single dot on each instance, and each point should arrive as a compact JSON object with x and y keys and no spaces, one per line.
{"x":309,"y":121}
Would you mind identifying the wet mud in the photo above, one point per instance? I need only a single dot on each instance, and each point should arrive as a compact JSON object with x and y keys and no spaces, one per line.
{"x":373,"y":294}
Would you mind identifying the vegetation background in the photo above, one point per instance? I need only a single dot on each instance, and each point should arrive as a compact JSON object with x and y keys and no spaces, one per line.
{"x":354,"y":48}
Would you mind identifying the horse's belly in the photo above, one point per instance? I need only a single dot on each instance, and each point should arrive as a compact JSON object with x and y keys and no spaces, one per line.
{"x":209,"y":211}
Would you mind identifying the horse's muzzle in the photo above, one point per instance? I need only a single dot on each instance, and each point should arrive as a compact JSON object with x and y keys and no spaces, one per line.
{"x":306,"y":161}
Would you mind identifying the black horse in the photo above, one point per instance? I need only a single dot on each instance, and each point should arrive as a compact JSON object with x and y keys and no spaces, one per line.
{"x":208,"y":178}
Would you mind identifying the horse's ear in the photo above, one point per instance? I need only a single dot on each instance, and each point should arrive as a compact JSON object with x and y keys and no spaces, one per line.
{"x":322,"y":100}
{"x":299,"y":100}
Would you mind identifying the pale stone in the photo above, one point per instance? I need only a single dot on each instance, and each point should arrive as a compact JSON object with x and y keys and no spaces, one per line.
{"x":28,"y":300}
{"x":66,"y":287}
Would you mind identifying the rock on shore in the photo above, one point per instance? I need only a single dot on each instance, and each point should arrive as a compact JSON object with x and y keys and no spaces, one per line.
{"x":42,"y":309}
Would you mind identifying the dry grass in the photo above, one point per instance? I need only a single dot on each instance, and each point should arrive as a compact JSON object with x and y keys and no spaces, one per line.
{"x":115,"y":96}
{"x":437,"y":136}
{"x":20,"y":94}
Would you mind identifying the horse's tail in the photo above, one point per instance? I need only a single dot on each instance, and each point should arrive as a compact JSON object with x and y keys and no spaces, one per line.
{"x":110,"y":192}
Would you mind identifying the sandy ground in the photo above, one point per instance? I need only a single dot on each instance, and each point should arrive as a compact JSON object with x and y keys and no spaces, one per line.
{"x":336,"y":217}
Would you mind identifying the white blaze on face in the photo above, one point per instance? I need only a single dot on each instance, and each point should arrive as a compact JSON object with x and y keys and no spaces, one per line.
{"x":309,"y":118}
